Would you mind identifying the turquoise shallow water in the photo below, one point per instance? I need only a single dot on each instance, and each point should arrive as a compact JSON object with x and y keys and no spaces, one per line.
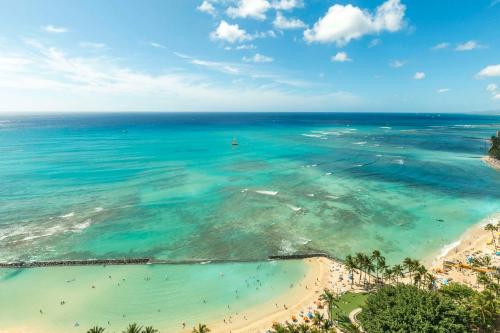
{"x":172,"y":186}
{"x":161,"y":295}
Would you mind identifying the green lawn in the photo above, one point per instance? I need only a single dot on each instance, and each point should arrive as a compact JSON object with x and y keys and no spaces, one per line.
{"x":348,"y":302}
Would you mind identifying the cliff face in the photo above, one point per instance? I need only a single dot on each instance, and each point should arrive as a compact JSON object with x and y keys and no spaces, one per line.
{"x":495,"y":147}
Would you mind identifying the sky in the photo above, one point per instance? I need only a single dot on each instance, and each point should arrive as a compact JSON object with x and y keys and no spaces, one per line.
{"x":250,"y":55}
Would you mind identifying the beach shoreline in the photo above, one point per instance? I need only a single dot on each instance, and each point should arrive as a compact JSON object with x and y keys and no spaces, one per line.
{"x":475,"y":241}
{"x":492,"y":162}
{"x":322,"y":273}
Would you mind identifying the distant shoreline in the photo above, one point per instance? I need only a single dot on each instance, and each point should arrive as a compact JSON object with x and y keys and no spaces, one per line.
{"x":492,"y":162}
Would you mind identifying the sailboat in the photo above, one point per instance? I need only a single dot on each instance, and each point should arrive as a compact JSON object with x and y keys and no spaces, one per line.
{"x":234,"y":142}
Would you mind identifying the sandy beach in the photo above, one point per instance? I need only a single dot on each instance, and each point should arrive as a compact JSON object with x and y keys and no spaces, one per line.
{"x":494,"y":163}
{"x":474,"y":242}
{"x":322,"y":273}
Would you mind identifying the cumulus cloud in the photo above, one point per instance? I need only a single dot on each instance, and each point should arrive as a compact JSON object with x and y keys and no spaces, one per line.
{"x":491,"y":87}
{"x":287,"y":4}
{"x":230,"y":33}
{"x":419,"y":76}
{"x":468,"y":46}
{"x":397,"y":63}
{"x":341,"y":24}
{"x":341,"y":57}
{"x":258,"y":58}
{"x":489,"y":71}
{"x":443,"y":90}
{"x":55,"y":30}
{"x":281,"y":22}
{"x":207,"y":7}
{"x":440,"y":46}
{"x":249,"y":9}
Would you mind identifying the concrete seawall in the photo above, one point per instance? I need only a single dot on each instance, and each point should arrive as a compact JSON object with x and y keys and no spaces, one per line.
{"x":150,"y":261}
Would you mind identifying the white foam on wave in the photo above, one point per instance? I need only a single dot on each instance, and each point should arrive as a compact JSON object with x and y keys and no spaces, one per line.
{"x":265,"y":192}
{"x":360,"y":143}
{"x":328,"y":173}
{"x":386,"y":127}
{"x":310,"y":195}
{"x":294,"y":208}
{"x":98,"y":209}
{"x":400,"y":161}
{"x":332,"y":197}
{"x":379,"y":155}
{"x":67,"y":216}
{"x":312,"y":135}
{"x":287,"y":247}
{"x":83,"y":225}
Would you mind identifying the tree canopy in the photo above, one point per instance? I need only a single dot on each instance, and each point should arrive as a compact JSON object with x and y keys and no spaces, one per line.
{"x":404,"y":308}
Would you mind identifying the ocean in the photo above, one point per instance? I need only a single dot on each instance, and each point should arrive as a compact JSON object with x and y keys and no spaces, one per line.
{"x":172,"y":186}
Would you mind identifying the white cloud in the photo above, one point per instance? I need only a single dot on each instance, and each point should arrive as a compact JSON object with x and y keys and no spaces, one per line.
{"x":490,"y":71}
{"x":258,"y":58}
{"x":341,"y":24}
{"x":287,"y":4}
{"x":419,"y":76}
{"x":207,"y":7}
{"x":157,"y":45}
{"x":468,"y":46}
{"x":230,"y":33}
{"x":249,"y":9}
{"x":443,"y":90}
{"x":281,"y":22}
{"x":374,"y":42}
{"x":397,"y":63}
{"x":341,"y":57}
{"x":491,"y":87}
{"x":246,"y":47}
{"x":264,"y":34}
{"x":48,"y":79}
{"x":90,"y":45}
{"x":440,"y":46}
{"x":54,"y":29}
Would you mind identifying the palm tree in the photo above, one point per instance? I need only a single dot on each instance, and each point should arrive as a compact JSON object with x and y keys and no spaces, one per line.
{"x":149,"y":329}
{"x":327,"y":324}
{"x":330,"y":299}
{"x":397,"y":271}
{"x":430,"y":281}
{"x":96,"y":329}
{"x":202,"y":328}
{"x":133,"y":328}
{"x":370,"y":267}
{"x":350,"y":264}
{"x":492,"y":228}
{"x":379,"y":260}
{"x":360,"y":261}
{"x":318,"y":319}
{"x":484,"y":309}
{"x":388,"y":274}
{"x":420,"y":272}
{"x":408,"y":264}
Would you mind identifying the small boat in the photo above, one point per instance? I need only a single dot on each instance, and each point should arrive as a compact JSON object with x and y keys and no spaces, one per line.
{"x":234,"y":142}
